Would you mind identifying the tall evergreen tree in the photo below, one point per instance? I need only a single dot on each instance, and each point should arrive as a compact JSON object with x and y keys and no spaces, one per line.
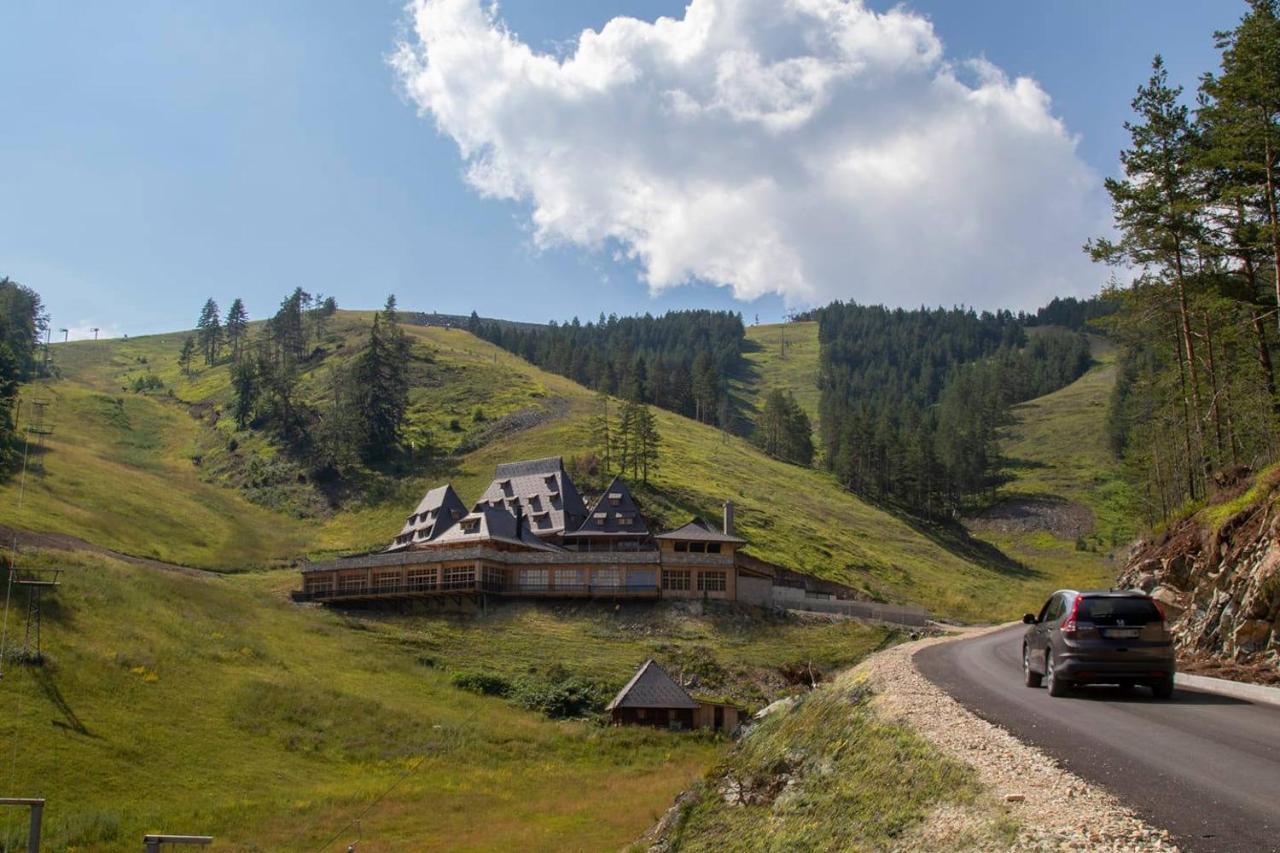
{"x":236,"y":327}
{"x":209,"y":331}
{"x":187,"y":355}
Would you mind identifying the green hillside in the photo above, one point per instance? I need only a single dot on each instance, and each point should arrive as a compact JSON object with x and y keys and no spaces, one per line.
{"x":213,"y":704}
{"x":112,"y":463}
{"x":1071,"y":507}
{"x":782,"y":355}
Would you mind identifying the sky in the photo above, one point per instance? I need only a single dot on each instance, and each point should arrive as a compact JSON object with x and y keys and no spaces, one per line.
{"x":155,"y":154}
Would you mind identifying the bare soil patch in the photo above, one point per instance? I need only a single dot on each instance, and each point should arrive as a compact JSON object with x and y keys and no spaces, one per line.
{"x":1064,"y":519}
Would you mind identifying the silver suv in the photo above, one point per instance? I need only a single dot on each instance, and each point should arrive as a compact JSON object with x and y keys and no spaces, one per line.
{"x":1098,"y":637}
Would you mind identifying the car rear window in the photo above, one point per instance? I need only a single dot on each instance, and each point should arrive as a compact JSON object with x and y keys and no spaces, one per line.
{"x":1113,"y":610}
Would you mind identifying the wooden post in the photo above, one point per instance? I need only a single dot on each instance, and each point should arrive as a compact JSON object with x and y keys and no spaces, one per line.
{"x":36,"y":805}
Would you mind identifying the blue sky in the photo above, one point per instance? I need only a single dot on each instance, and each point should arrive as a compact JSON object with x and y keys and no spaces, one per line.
{"x":155,"y":153}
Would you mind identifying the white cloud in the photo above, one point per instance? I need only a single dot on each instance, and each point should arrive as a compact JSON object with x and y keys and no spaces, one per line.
{"x":811,"y":148}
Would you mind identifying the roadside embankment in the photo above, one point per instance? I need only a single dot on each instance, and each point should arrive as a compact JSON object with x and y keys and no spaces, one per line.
{"x":879,"y":758}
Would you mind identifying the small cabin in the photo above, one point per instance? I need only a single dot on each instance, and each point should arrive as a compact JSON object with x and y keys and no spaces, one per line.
{"x":653,"y":698}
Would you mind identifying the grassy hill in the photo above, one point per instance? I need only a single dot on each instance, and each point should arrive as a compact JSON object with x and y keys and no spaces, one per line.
{"x":163,"y":474}
{"x":1066,"y":507}
{"x":782,"y":355}
{"x":179,"y":703}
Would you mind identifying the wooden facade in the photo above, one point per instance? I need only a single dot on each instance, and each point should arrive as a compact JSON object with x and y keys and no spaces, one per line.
{"x":495,"y":551}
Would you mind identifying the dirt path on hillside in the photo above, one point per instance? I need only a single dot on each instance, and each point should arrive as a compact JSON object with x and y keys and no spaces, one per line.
{"x":66,"y":542}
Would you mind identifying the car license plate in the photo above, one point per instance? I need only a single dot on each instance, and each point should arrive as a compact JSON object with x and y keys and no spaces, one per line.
{"x":1121,"y":633}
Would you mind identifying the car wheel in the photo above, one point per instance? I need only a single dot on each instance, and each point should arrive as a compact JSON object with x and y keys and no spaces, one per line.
{"x":1163,"y":689}
{"x":1057,"y":686}
{"x":1030,"y":677}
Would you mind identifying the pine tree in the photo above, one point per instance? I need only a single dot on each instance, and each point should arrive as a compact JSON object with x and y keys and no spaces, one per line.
{"x":599,"y":428}
{"x":1243,"y":115}
{"x":647,"y":442}
{"x":382,"y":375}
{"x":187,"y":355}
{"x":236,"y":326}
{"x":1155,"y":207}
{"x":209,"y":329}
{"x":244,"y":386}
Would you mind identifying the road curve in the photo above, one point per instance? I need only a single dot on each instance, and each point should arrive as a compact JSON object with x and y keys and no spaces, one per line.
{"x":1204,"y":767}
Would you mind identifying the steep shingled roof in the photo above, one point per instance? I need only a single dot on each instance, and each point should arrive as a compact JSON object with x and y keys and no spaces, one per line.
{"x":438,"y":510}
{"x":542,"y":490}
{"x":491,"y":524}
{"x":614,"y":514}
{"x":651,"y":687}
{"x":699,"y":531}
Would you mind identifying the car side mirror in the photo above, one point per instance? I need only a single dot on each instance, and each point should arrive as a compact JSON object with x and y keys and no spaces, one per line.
{"x":1028,"y":619}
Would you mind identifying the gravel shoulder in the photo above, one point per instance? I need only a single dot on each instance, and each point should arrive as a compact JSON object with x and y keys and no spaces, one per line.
{"x":1057,"y":809}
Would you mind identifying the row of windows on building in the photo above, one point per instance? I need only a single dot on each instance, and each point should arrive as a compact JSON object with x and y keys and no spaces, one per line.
{"x":531,"y":580}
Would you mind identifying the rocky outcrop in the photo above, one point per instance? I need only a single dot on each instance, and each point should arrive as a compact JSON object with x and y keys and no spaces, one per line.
{"x":1219,"y":586}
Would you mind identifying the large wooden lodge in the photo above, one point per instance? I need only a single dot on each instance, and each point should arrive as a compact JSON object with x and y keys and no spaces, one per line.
{"x":531,"y":535}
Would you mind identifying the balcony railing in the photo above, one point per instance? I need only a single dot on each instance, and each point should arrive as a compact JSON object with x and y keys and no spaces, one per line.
{"x":488,"y":586}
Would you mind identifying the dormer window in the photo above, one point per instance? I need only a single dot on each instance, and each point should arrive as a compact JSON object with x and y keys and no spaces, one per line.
{"x":471,"y":526}
{"x":457,"y":514}
{"x":624,"y":520}
{"x":615,"y":498}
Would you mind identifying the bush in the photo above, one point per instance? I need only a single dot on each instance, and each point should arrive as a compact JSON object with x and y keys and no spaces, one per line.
{"x":146,"y":382}
{"x":455,"y":425}
{"x":568,"y":696}
{"x":479,"y":416}
{"x":484,"y":683}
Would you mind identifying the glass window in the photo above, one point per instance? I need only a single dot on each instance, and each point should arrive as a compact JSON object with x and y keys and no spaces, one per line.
{"x":711,"y":582}
{"x":1115,"y":610}
{"x":608,"y":577}
{"x":675,"y":579}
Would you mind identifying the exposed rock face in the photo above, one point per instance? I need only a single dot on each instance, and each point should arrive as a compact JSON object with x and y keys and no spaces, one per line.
{"x":1220,"y":589}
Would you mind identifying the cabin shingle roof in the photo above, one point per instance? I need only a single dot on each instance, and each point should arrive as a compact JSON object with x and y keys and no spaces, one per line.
{"x":699,"y":531}
{"x":651,"y":687}
{"x":537,"y":486}
{"x":491,"y":524}
{"x":609,"y":514}
{"x":438,"y":511}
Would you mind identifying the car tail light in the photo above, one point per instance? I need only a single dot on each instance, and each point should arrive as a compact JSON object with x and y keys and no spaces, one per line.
{"x":1069,"y":629}
{"x":1160,"y":610}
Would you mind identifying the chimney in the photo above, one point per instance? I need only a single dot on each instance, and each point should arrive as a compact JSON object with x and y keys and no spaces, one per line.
{"x":728,"y":519}
{"x":519,"y":520}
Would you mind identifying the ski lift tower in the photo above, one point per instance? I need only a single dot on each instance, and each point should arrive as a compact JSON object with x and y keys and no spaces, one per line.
{"x":36,"y":582}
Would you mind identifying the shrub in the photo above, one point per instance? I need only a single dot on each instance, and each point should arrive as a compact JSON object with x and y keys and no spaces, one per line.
{"x":455,"y":425}
{"x":146,"y":382}
{"x":479,"y":416}
{"x":484,"y":683}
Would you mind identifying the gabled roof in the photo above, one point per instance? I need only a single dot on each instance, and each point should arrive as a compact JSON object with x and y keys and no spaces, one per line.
{"x":699,"y":531}
{"x":614,"y":514}
{"x":651,"y":687}
{"x":491,"y":524}
{"x":542,"y":490}
{"x":438,"y":510}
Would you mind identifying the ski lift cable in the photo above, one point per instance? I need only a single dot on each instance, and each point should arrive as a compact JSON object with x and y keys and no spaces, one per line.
{"x":8,"y":595}
{"x":356,"y":820}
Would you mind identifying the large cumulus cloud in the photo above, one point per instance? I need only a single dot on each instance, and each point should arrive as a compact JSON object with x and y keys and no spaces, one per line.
{"x":811,"y":148}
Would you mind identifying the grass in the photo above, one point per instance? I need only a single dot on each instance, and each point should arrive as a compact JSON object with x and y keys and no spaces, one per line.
{"x":1057,"y":447}
{"x":830,"y":774}
{"x":187,"y":704}
{"x":166,"y":475}
{"x":782,"y":355}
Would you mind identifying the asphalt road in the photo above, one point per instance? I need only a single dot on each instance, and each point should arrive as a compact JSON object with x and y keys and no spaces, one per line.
{"x":1204,"y":767}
